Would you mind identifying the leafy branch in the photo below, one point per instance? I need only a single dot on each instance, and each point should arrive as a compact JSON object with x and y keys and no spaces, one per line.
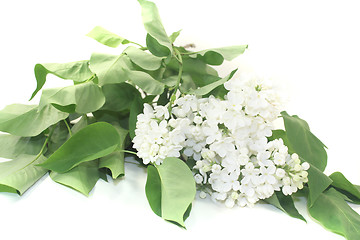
{"x":83,"y":131}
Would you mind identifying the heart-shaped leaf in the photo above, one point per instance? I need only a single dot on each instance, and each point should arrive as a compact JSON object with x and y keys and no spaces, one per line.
{"x":21,"y":173}
{"x":318,"y":182}
{"x":59,"y":136}
{"x":81,"y":98}
{"x":216,"y":56}
{"x":13,"y":146}
{"x":331,"y":210}
{"x":170,"y":189}
{"x":143,"y":59}
{"x":303,"y":142}
{"x":157,"y":40}
{"x":77,"y":71}
{"x":109,"y":68}
{"x":145,"y":82}
{"x":81,"y":178}
{"x":119,"y":96}
{"x":341,"y":184}
{"x":94,"y":141}
{"x":208,"y":88}
{"x":106,"y":37}
{"x":285,"y":204}
{"x":29,"y":120}
{"x":174,"y":36}
{"x":192,"y":66}
{"x":115,"y":161}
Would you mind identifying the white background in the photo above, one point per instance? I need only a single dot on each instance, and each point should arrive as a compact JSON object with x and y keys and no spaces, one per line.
{"x":310,"y":48}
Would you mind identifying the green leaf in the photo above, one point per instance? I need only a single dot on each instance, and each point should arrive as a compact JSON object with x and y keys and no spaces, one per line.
{"x":285,"y":204}
{"x":317,"y":180}
{"x":195,"y":66}
{"x":203,"y":80}
{"x":192,"y":66}
{"x":218,"y":92}
{"x":190,"y":162}
{"x":61,"y":133}
{"x":58,"y":138}
{"x":115,"y":161}
{"x":163,"y":98}
{"x":136,"y":108}
{"x":154,"y":27}
{"x":171,"y":188}
{"x":81,"y":98}
{"x":341,"y":184}
{"x":216,"y":56}
{"x":336,"y":215}
{"x":153,"y":189}
{"x":82,"y":123}
{"x":318,"y":183}
{"x":304,"y":143}
{"x":208,"y":88}
{"x":106,"y":37}
{"x":174,"y":36}
{"x":81,"y":178}
{"x":120,"y":118}
{"x":155,"y":47}
{"x":74,"y":116}
{"x":200,"y":80}
{"x":170,"y":81}
{"x":187,"y":212}
{"x":196,"y":73}
{"x":187,"y":83}
{"x":21,"y":173}
{"x":145,"y":82}
{"x":143,"y":59}
{"x":109,"y":68}
{"x":77,"y":71}
{"x":119,"y":96}
{"x":13,"y":146}
{"x":28,"y":120}
{"x":149,"y":99}
{"x":94,"y":141}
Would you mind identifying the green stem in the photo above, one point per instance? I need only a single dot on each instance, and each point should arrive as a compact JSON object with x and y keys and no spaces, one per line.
{"x":42,"y":148}
{"x":90,"y":78}
{"x":173,"y":95}
{"x":68,"y":127}
{"x":44,"y":145}
{"x":127,"y":151}
{"x":141,"y":46}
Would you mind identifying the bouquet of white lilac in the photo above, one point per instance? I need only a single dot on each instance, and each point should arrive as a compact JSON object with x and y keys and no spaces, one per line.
{"x":194,"y":132}
{"x":226,"y":142}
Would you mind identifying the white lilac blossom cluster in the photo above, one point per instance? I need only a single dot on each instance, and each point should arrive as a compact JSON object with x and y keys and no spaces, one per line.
{"x":228,"y":140}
